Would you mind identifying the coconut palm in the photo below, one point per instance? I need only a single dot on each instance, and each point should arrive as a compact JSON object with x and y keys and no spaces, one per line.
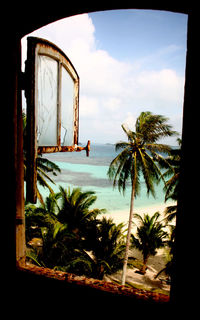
{"x":102,"y":251}
{"x":72,"y":237}
{"x":61,"y":247}
{"x":43,"y":216}
{"x":150,"y":236}
{"x":108,"y":248}
{"x":170,"y":261}
{"x":44,"y":167}
{"x":140,"y":156}
{"x":57,"y":249}
{"x":173,"y":172}
{"x":75,"y":208}
{"x":172,"y":184}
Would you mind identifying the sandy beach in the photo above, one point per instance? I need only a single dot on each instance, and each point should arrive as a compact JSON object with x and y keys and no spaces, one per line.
{"x":147,"y":281}
{"x":155,"y":264}
{"x":123,"y":215}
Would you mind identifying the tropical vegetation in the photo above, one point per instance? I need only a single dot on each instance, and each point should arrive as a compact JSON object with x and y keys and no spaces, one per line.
{"x":172,"y":184}
{"x":141,"y":155}
{"x":65,"y":232}
{"x":44,"y":167}
{"x":73,"y":238}
{"x":150,"y":236}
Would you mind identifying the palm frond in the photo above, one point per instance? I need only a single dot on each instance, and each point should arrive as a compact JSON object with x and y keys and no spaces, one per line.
{"x":153,"y":127}
{"x":117,"y":168}
{"x":158,"y":147}
{"x":170,"y":213}
{"x":47,"y":165}
{"x":33,"y":256}
{"x":130,"y":134}
{"x":121,"y":145}
{"x":146,"y":165}
{"x":39,"y":196}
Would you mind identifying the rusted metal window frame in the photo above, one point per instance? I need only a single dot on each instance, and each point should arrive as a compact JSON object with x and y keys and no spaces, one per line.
{"x":36,"y":47}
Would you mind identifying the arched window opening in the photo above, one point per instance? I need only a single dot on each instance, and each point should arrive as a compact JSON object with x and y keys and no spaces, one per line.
{"x":90,"y":106}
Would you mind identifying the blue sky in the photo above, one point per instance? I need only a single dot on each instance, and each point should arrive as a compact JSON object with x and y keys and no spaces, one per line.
{"x":131,"y":34}
{"x":128,"y":61}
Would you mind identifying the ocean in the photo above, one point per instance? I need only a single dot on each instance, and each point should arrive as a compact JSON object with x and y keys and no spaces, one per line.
{"x":90,"y":173}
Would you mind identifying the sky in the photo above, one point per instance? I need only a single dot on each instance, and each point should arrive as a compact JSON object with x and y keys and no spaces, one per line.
{"x":128,"y":61}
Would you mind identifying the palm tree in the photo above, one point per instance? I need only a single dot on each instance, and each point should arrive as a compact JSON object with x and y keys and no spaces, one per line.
{"x":108,"y":248}
{"x":102,"y":250}
{"x":75,"y":209}
{"x":43,"y":216}
{"x":172,"y":184}
{"x":72,"y":237}
{"x":170,"y":261}
{"x":173,"y":171}
{"x":44,"y":167}
{"x":150,"y":236}
{"x":140,"y":156}
{"x":58,"y":247}
{"x":61,"y":248}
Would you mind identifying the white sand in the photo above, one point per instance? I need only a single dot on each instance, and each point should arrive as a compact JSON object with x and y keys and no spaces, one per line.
{"x":123,"y":216}
{"x":146,"y":281}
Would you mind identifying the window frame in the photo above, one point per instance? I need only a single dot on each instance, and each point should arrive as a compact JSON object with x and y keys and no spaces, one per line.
{"x":15,"y":220}
{"x":38,"y":46}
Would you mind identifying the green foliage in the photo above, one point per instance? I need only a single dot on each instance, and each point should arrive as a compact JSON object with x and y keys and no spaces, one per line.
{"x":141,"y":155}
{"x":108,"y":247}
{"x":73,"y":239}
{"x":74,"y":208}
{"x":173,"y":172}
{"x":44,"y":166}
{"x":150,"y":235}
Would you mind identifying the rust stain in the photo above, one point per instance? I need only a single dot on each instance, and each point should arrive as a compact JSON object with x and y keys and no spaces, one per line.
{"x":75,"y":148}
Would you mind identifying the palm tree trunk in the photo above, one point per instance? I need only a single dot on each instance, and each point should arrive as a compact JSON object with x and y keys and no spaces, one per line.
{"x":128,"y":233}
{"x":144,"y":267}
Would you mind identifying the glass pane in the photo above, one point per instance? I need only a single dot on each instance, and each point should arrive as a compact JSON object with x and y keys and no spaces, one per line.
{"x":67,"y":109}
{"x":47,"y":101}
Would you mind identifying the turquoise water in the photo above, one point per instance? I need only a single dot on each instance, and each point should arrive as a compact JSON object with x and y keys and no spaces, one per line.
{"x":91,"y":174}
{"x":99,"y":172}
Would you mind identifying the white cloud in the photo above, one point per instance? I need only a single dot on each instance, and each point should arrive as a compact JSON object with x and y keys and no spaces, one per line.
{"x":111,"y":91}
{"x":88,"y":106}
{"x":101,"y":74}
{"x":73,"y":35}
{"x":113,"y":103}
{"x":164,"y":85}
{"x":71,"y":32}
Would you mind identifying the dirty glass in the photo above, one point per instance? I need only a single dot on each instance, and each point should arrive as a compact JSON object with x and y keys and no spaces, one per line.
{"x":47,"y":101}
{"x":67,"y":109}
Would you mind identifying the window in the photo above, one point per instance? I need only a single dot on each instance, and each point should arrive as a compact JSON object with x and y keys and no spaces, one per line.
{"x":12,"y":109}
{"x":52,"y":93}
